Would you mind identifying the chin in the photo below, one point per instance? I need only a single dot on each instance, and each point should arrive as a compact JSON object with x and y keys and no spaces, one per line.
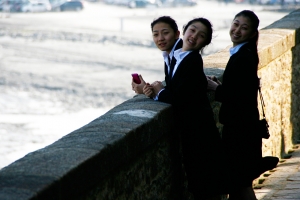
{"x":235,"y":41}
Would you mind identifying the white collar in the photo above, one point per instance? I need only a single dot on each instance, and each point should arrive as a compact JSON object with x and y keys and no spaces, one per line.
{"x":173,"y":49}
{"x":235,"y":49}
{"x":165,"y":54}
{"x":179,"y":55}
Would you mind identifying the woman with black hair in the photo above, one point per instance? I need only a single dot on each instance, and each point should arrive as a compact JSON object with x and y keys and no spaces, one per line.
{"x":186,"y":90}
{"x":239,"y":113}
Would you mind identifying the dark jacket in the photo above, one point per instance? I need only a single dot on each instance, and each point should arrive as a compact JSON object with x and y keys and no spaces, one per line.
{"x":238,"y":92}
{"x":241,"y":142}
{"x":187,"y":90}
{"x":194,"y":122}
{"x":178,"y":46}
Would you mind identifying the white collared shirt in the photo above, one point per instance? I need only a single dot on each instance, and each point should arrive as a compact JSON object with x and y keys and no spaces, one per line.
{"x":179,"y":56}
{"x":235,"y":49}
{"x":165,"y":55}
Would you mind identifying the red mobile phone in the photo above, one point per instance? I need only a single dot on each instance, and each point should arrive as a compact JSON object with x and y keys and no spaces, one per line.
{"x":136,"y":78}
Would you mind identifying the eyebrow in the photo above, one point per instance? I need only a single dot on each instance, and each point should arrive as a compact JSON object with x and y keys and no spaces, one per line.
{"x":197,"y":28}
{"x":164,"y":29}
{"x":240,"y":22}
{"x":193,"y":25}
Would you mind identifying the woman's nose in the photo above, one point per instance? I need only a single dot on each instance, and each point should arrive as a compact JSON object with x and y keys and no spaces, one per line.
{"x":237,"y":30}
{"x":161,"y":37}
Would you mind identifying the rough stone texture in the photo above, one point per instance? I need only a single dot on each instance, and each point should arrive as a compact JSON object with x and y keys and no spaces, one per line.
{"x":131,"y":153}
{"x":145,"y":178}
{"x":214,"y":104}
{"x":128,"y":153}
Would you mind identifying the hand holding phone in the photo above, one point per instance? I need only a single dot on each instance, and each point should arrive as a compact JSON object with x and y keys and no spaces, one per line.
{"x":136,"y":78}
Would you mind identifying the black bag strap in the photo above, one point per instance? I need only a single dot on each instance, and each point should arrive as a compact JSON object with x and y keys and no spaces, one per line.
{"x":261,"y":99}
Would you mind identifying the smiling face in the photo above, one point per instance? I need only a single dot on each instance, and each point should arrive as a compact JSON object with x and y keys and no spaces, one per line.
{"x":164,"y":36}
{"x":241,"y":30}
{"x":195,"y":37}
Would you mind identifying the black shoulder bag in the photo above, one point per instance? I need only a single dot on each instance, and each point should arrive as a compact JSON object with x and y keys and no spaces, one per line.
{"x":263,"y":126}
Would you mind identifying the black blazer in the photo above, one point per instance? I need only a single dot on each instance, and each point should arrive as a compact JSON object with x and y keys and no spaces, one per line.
{"x":178,"y":46}
{"x":238,"y":92}
{"x":195,"y":124}
{"x":187,"y":92}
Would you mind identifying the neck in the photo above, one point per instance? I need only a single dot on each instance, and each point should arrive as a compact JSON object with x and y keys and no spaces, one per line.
{"x":185,"y":48}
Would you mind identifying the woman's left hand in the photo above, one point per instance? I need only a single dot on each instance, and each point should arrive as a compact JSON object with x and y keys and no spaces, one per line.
{"x":211,"y":85}
{"x":148,"y":90}
{"x":157,"y":86}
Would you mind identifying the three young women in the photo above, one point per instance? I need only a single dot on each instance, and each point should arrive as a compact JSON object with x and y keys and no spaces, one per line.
{"x":239,"y":113}
{"x":186,"y":91}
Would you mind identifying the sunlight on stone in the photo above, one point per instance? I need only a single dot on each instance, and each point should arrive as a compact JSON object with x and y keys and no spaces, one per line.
{"x":137,"y":113}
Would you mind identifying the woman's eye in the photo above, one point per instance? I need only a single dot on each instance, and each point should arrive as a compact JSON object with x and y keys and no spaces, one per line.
{"x":201,"y":35}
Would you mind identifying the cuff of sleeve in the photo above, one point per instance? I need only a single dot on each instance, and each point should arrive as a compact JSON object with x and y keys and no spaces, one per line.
{"x":156,"y":97}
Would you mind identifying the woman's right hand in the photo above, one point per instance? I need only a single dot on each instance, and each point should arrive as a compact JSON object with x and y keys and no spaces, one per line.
{"x":148,"y":90}
{"x":157,"y":87}
{"x":211,"y":84}
{"x":138,"y":88}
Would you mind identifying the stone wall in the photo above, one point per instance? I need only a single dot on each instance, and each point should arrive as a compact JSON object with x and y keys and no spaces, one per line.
{"x":131,"y":153}
{"x":128,"y":153}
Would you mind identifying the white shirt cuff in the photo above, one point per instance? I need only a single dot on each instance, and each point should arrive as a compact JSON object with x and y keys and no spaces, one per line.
{"x":156,"y":97}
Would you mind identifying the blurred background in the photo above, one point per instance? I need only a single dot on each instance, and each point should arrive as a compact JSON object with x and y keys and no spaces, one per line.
{"x":65,"y":63}
{"x":63,"y":5}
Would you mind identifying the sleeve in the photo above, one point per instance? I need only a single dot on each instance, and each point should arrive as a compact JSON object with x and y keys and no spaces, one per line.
{"x":240,"y":80}
{"x":189,"y":82}
{"x":239,"y":90}
{"x":219,"y":93}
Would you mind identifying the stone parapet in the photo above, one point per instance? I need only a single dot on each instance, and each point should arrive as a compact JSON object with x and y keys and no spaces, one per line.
{"x":127,"y":153}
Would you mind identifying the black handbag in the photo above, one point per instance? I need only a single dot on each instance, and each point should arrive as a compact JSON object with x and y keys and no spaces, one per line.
{"x":263,"y":126}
